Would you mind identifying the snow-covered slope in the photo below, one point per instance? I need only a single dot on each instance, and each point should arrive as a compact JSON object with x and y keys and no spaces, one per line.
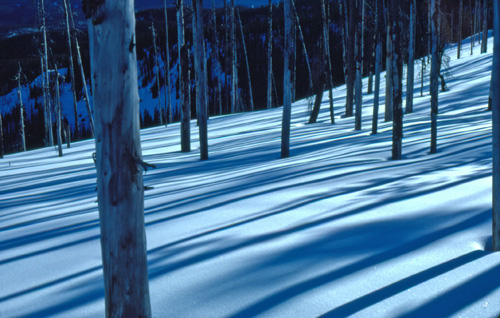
{"x":336,"y":230}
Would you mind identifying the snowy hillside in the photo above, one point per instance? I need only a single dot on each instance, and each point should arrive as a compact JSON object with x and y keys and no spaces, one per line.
{"x":335,"y":230}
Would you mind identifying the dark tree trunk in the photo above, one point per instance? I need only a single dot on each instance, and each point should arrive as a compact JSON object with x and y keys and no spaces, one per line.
{"x":397,"y":78}
{"x":287,"y":94}
{"x":496,"y":127}
{"x":434,"y":75}
{"x":184,"y":80}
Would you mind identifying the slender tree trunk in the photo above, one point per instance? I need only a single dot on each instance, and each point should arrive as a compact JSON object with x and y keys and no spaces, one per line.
{"x":119,"y":162}
{"x":58,"y":107}
{"x":47,"y":88}
{"x":388,"y":77}
{"x":234,"y":73}
{"x":218,"y":99}
{"x":294,"y":45}
{"x":21,"y":110}
{"x":68,"y":136}
{"x":183,"y":80}
{"x":246,"y":59}
{"x":351,"y":13}
{"x":496,"y":127}
{"x":379,"y":30}
{"x":360,"y":4}
{"x":326,"y":54}
{"x":484,"y":44}
{"x":344,"y":30}
{"x":411,"y":60}
{"x":287,"y":94}
{"x":201,"y":91}
{"x":71,"y":69}
{"x":397,"y":78}
{"x":460,"y":22}
{"x":84,"y":81}
{"x":429,"y":31}
{"x":476,"y":11}
{"x":270,"y":56}
{"x":1,"y":135}
{"x":45,"y":118}
{"x":304,"y":49}
{"x":168,"y":91}
{"x":434,"y":75}
{"x":157,"y":66}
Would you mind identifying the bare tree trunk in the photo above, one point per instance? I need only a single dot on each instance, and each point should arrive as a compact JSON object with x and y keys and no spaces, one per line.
{"x":234,"y":73}
{"x":350,"y":12}
{"x":201,"y":88}
{"x":344,"y":30}
{"x":183,"y":79}
{"x":484,"y":43}
{"x":360,"y":5}
{"x":246,"y":59}
{"x":270,"y":57}
{"x":58,"y":107}
{"x":218,"y":99}
{"x":476,"y":11}
{"x":304,"y":49}
{"x":71,"y":69}
{"x":168,"y":91}
{"x":294,"y":71}
{"x":21,"y":109}
{"x":326,"y":47}
{"x":434,"y":76}
{"x":496,"y":127}
{"x":287,"y":94}
{"x":411,"y":60}
{"x":160,"y":108}
{"x":48,"y":108}
{"x":379,"y":30}
{"x":119,"y":157}
{"x":84,"y":81}
{"x":397,"y":78}
{"x":45,"y":108}
{"x":388,"y":77}
{"x":460,"y":22}
{"x":1,"y":135}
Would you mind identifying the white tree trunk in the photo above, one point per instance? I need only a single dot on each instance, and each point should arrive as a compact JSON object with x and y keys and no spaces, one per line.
{"x":434,"y":75}
{"x":21,"y":110}
{"x":270,"y":57}
{"x":287,"y":92}
{"x":119,"y":164}
{"x":496,"y":127}
{"x":201,"y":91}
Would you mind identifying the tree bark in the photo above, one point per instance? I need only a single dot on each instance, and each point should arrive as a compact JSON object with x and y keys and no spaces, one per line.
{"x":246,"y":59}
{"x":58,"y":107}
{"x":388,"y":77}
{"x":21,"y":110}
{"x":304,"y":49}
{"x":48,"y":107}
{"x":496,"y":127}
{"x":460,"y":22}
{"x":217,"y":98}
{"x":484,"y":43}
{"x":350,"y":12}
{"x":183,"y":80}
{"x":397,"y":79}
{"x":1,"y":135}
{"x":434,"y":76}
{"x":360,"y":5}
{"x":168,"y":91}
{"x":378,"y":64}
{"x":287,"y":93}
{"x":270,"y":56}
{"x":157,"y":66}
{"x":234,"y":71}
{"x":201,"y":91}
{"x":411,"y":60}
{"x":119,"y":164}
{"x":344,"y":30}
{"x":328,"y":64}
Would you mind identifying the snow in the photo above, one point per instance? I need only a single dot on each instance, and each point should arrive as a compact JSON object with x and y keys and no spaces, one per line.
{"x":336,"y":230}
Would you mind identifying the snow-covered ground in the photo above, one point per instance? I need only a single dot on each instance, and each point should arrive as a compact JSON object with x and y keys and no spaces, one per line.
{"x":336,"y":230}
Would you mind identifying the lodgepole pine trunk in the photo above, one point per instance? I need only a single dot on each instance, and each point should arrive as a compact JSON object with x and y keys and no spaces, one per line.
{"x":270,"y":57}
{"x":411,"y":60}
{"x":71,"y":69}
{"x":287,"y":93}
{"x":183,"y":80}
{"x":460,"y":22}
{"x":246,"y":59}
{"x":328,"y":63}
{"x":360,"y":5}
{"x":201,"y":88}
{"x":434,"y":76}
{"x":379,"y":30}
{"x":21,"y":110}
{"x":484,"y":43}
{"x":119,"y":164}
{"x":233,"y":56}
{"x":218,"y":98}
{"x":397,"y":78}
{"x":344,"y":32}
{"x":350,"y":12}
{"x":58,"y":107}
{"x":168,"y":91}
{"x":304,"y":49}
{"x":48,"y":105}
{"x":496,"y":127}
{"x":388,"y":77}
{"x":1,"y":135}
{"x":160,"y":109}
